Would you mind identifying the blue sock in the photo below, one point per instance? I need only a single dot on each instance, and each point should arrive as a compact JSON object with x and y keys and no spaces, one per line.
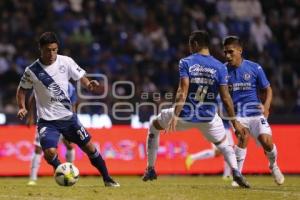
{"x":54,"y":162}
{"x":98,"y":162}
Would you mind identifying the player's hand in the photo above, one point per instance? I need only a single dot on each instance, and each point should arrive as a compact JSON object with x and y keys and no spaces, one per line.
{"x":93,"y":84}
{"x":22,"y":113}
{"x":239,"y":129}
{"x":264,"y":110}
{"x":172,"y":124}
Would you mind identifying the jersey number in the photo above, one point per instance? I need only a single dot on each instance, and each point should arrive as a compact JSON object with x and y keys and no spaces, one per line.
{"x":82,"y":133}
{"x":201,"y":93}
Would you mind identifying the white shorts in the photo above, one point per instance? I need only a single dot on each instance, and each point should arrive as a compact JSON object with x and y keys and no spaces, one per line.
{"x":229,"y":136}
{"x":257,"y":125}
{"x":213,"y":131}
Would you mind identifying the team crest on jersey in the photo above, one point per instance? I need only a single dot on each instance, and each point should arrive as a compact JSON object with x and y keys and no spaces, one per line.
{"x":62,"y":69}
{"x":247,"y":77}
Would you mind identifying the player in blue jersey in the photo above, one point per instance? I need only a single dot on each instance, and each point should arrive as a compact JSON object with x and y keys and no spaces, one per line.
{"x":36,"y":157}
{"x":49,"y":77}
{"x":246,"y":80}
{"x":202,"y":77}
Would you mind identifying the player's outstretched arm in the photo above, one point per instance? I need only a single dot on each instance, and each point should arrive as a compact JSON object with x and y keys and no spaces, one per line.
{"x":21,"y":96}
{"x":179,"y":102}
{"x":90,"y":85}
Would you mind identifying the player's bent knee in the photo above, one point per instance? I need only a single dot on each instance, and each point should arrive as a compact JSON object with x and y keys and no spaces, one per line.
{"x":155,"y":124}
{"x":89,"y":148}
{"x":50,"y":153}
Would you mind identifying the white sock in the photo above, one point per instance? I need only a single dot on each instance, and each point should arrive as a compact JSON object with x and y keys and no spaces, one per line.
{"x":70,"y":155}
{"x":152,"y":145}
{"x":227,"y":169}
{"x":272,"y":156}
{"x":208,"y":153}
{"x":240,"y":154}
{"x":228,"y":154}
{"x":35,"y":165}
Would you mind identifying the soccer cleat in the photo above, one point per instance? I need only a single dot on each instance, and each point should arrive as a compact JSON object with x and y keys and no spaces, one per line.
{"x":234,"y":184}
{"x":278,"y":176}
{"x":227,"y":178}
{"x":111,"y":183}
{"x":239,"y":179}
{"x":149,"y":174}
{"x":31,"y":183}
{"x":188,"y":162}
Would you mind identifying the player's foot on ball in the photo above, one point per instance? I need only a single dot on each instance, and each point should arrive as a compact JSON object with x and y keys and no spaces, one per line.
{"x":31,"y":183}
{"x":239,"y":179}
{"x":188,"y":162}
{"x":278,"y":176}
{"x":149,"y":174}
{"x":111,"y":183}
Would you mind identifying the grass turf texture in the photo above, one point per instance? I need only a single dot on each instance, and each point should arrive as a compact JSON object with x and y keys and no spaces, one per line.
{"x":165,"y":188}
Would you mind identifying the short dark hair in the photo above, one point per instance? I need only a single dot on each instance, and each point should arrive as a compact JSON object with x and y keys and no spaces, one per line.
{"x":48,"y":38}
{"x":201,"y":37}
{"x":232,"y":40}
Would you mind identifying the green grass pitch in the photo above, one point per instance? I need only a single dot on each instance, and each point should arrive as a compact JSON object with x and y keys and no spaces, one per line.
{"x":165,"y":188}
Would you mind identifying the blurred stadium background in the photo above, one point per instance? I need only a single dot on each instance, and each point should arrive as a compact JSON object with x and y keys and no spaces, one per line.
{"x":142,"y":42}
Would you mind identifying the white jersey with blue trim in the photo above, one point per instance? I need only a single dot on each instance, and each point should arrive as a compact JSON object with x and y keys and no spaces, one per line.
{"x":244,"y":82}
{"x":50,"y":86}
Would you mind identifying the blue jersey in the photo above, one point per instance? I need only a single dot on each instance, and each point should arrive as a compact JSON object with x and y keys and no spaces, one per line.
{"x":244,"y":81}
{"x":72,"y":93}
{"x":205,"y":75}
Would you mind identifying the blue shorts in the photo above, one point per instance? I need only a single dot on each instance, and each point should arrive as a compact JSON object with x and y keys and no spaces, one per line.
{"x":71,"y":128}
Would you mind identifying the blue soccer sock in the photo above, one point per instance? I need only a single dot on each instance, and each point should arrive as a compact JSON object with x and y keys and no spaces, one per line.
{"x":54,"y":162}
{"x":98,"y":162}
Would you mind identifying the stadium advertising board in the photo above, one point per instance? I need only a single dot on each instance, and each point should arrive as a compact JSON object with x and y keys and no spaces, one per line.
{"x":124,"y":149}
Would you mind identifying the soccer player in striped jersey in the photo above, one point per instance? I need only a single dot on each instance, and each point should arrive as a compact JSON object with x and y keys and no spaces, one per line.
{"x":36,"y":157}
{"x":49,"y":77}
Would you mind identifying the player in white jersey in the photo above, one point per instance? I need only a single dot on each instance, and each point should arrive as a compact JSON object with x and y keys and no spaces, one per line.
{"x":49,"y":77}
{"x":246,"y":80}
{"x":202,"y":77}
{"x":36,"y":157}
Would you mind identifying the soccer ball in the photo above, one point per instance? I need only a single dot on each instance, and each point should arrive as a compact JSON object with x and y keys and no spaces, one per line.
{"x":66,"y":174}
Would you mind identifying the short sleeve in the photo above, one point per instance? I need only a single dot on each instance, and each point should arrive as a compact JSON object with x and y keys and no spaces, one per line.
{"x":75,"y":72}
{"x":26,"y":81}
{"x":262,"y":80}
{"x":222,"y":75}
{"x":183,"y":69}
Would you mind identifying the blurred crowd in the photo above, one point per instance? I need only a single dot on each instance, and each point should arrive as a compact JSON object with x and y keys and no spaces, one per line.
{"x":142,"y":41}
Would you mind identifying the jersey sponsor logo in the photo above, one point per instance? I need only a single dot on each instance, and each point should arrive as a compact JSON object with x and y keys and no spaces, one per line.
{"x":62,"y":69}
{"x":247,"y":76}
{"x":199,"y":70}
{"x":54,"y":88}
